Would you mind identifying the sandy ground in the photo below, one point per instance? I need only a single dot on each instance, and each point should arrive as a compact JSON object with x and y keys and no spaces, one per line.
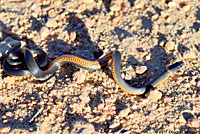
{"x":150,"y":35}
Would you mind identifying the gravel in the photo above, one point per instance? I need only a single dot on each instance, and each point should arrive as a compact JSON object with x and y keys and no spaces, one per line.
{"x":150,"y":35}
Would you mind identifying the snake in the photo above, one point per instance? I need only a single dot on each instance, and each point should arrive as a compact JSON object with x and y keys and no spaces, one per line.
{"x":41,"y":70}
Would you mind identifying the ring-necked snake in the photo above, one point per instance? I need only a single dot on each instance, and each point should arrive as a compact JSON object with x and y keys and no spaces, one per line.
{"x":17,"y":56}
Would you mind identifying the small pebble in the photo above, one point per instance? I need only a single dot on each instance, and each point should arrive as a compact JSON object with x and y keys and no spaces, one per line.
{"x":89,"y":23}
{"x":154,"y":106}
{"x":141,"y":69}
{"x":154,"y":95}
{"x":124,"y":112}
{"x":148,"y":57}
{"x":114,"y":125}
{"x":72,"y":36}
{"x":195,"y":123}
{"x":52,"y":116}
{"x":115,"y":5}
{"x":155,"y":17}
{"x":170,"y":45}
{"x":140,"y":4}
{"x":85,"y":98}
{"x":52,"y":23}
{"x":186,"y":8}
{"x":172,"y":4}
{"x":52,"y":13}
{"x":1,"y":35}
{"x":193,"y":82}
{"x":44,"y":32}
{"x":171,"y":127}
{"x":162,"y":43}
{"x":9,"y":114}
{"x":198,"y":83}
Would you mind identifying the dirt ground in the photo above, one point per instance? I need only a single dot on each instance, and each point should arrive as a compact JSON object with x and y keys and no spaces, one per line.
{"x":150,"y":35}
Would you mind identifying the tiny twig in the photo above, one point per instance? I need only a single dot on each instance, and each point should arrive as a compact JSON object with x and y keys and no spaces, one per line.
{"x":38,"y":112}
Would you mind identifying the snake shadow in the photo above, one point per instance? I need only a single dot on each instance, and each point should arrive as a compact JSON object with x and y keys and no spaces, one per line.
{"x":81,"y":46}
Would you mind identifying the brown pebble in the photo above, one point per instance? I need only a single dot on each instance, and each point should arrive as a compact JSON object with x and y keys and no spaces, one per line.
{"x":52,"y":23}
{"x":186,"y":8}
{"x":124,"y":112}
{"x":116,"y":5}
{"x":193,"y":81}
{"x":109,"y":112}
{"x":101,"y":118}
{"x":140,"y":4}
{"x":195,"y":123}
{"x":155,"y":28}
{"x":172,"y":4}
{"x":85,"y":98}
{"x":114,"y":125}
{"x":170,"y":45}
{"x":155,"y":95}
{"x":140,"y":69}
{"x":52,"y":13}
{"x":89,"y":23}
{"x":198,"y":83}
{"x":9,"y":114}
{"x":72,"y":36}
{"x":164,"y":14}
{"x":44,"y":32}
